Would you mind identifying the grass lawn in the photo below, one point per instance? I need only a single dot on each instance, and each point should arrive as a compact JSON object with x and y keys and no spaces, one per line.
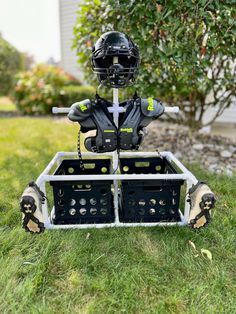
{"x":142,"y":270}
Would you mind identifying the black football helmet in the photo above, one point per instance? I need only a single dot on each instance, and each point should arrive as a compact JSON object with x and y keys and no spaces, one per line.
{"x":119,"y":72}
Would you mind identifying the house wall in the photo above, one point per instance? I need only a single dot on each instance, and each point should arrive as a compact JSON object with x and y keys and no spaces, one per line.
{"x":229,"y":115}
{"x":67,"y":12}
{"x":227,"y":120}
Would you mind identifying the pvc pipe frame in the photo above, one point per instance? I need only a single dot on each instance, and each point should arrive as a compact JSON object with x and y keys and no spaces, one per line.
{"x":115,"y":110}
{"x":46,"y":177}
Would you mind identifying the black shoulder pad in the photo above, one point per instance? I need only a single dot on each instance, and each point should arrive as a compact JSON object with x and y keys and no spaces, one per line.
{"x":80,"y":110}
{"x":151,"y":107}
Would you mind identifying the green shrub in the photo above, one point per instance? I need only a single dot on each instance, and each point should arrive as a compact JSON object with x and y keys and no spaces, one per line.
{"x":41,"y":88}
{"x":187,"y":49}
{"x":10,"y":64}
{"x":72,"y":94}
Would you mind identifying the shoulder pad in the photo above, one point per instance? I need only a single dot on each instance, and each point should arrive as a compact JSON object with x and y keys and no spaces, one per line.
{"x":80,"y":110}
{"x":151,"y":107}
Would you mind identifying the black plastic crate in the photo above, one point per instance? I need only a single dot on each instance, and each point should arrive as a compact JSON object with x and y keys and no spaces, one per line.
{"x":80,"y":202}
{"x":149,"y":200}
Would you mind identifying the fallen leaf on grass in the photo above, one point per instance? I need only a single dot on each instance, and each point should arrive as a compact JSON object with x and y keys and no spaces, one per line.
{"x":28,"y":263}
{"x":206,"y":253}
{"x":192,"y":244}
{"x":194,"y":247}
{"x":87,"y":236}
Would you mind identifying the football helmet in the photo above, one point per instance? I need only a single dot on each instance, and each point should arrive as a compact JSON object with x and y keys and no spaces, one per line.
{"x":119,"y":72}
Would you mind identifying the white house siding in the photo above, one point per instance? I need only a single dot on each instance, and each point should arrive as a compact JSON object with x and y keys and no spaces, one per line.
{"x":228,"y":116}
{"x":227,"y":119}
{"x":67,"y":11}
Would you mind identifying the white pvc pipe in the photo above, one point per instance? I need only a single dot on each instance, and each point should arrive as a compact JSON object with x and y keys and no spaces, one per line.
{"x":56,"y":110}
{"x":172,"y":109}
{"x":119,"y":224}
{"x":107,"y":177}
{"x":171,"y":157}
{"x":84,"y":154}
{"x":115,"y":109}
{"x":186,"y":175}
{"x":46,"y":217}
{"x":40,"y":179}
{"x":122,"y":154}
{"x":143,"y":154}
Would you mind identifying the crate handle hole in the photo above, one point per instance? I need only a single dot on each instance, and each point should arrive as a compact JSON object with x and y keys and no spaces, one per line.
{"x":89,"y":166}
{"x":140,"y":164}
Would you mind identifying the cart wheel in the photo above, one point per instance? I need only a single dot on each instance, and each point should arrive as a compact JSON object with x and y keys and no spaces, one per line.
{"x":202,"y":200}
{"x":30,"y":206}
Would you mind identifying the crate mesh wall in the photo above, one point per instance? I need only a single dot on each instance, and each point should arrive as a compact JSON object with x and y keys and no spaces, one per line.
{"x":149,"y":200}
{"x":83,"y":201}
